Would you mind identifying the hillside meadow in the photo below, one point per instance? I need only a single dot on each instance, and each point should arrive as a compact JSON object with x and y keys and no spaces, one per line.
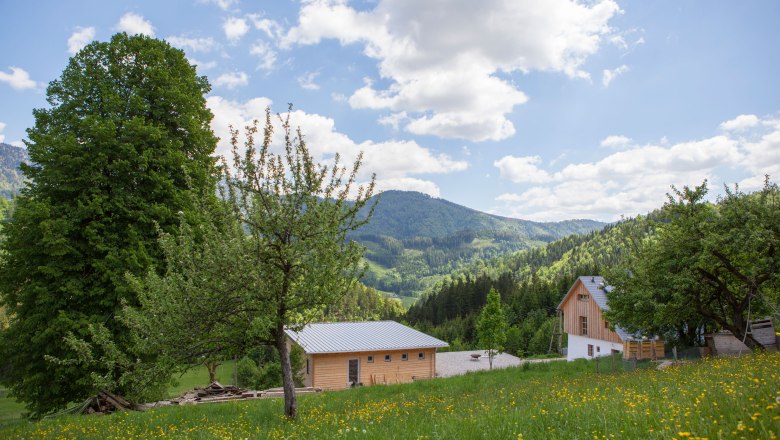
{"x":713,"y":398}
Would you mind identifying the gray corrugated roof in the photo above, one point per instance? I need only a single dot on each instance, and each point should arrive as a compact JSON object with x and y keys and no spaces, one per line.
{"x":598,"y":290}
{"x":345,"y":337}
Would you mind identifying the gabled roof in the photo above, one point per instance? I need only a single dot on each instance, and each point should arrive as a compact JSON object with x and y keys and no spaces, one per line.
{"x":598,"y":289}
{"x":347,"y":337}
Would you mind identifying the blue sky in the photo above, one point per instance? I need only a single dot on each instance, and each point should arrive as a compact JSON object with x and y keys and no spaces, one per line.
{"x":537,"y":109}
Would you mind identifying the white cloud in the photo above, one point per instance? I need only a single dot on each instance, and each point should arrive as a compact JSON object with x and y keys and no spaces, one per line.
{"x":442,"y":62}
{"x":393,"y":161}
{"x":193,"y":44}
{"x":267,"y":56}
{"x":394,"y":119}
{"x":222,"y":4}
{"x":306,"y":81}
{"x":80,"y":38}
{"x":636,"y":181}
{"x":133,"y":24}
{"x":232,"y":80}
{"x":2,"y":127}
{"x":740,"y":123}
{"x":521,"y":169}
{"x":609,"y":75}
{"x":235,"y":28}
{"x":615,"y":141}
{"x":270,"y":27}
{"x":18,"y":79}
{"x":202,"y":65}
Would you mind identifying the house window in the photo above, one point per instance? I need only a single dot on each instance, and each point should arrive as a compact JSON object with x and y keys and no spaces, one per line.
{"x":584,"y":325}
{"x":404,"y":356}
{"x":421,"y":355}
{"x":371,"y":359}
{"x":307,"y":366}
{"x":590,"y":350}
{"x":388,"y":358}
{"x":583,"y":297}
{"x":598,"y":349}
{"x":606,"y":325}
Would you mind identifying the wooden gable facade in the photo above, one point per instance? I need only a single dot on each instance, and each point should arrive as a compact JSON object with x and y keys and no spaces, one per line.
{"x":582,"y":315}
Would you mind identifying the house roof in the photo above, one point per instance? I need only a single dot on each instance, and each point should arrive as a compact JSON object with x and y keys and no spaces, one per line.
{"x":346,"y":337}
{"x":598,"y":290}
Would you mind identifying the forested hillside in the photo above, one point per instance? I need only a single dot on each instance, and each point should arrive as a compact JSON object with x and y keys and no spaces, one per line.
{"x":11,"y":179}
{"x":413,"y":240}
{"x":531,"y":282}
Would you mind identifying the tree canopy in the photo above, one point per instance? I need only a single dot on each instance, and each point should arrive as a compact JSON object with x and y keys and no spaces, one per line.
{"x":707,"y":267}
{"x":116,"y":156}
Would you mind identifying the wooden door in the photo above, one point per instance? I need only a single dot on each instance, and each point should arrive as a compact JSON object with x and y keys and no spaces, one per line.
{"x":353,"y":372}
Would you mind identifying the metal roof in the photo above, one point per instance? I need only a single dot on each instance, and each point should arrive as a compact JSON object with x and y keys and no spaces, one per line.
{"x":598,"y":290}
{"x":346,"y":337}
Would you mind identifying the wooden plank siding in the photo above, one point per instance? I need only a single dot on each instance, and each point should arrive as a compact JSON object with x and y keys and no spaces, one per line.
{"x":573,"y":308}
{"x":329,"y":371}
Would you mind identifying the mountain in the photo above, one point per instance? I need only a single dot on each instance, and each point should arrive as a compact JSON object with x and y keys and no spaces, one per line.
{"x":11,"y":179}
{"x":413,"y":240}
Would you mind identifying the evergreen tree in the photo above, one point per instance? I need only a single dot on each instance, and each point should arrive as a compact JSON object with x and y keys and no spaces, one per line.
{"x":491,"y":327}
{"x":117,"y":155}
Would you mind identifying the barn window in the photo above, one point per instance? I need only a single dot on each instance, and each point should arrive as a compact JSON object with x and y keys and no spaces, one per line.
{"x":371,"y":359}
{"x":583,"y":297}
{"x":421,"y":355}
{"x":590,"y":350}
{"x":606,"y":325}
{"x":404,"y":356}
{"x":584,"y":325}
{"x":388,"y":358}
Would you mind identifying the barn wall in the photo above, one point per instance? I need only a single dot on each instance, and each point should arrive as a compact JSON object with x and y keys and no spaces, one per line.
{"x":578,"y":347}
{"x":573,"y":308}
{"x":329,"y":371}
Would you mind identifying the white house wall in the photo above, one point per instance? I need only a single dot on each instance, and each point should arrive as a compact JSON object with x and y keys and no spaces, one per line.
{"x":578,"y":347}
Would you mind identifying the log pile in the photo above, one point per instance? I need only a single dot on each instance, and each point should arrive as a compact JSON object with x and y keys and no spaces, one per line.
{"x":216,"y":392}
{"x":106,"y":403}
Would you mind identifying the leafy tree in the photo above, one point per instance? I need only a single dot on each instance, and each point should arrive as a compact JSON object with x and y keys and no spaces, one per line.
{"x":708,"y":266}
{"x":491,"y":327}
{"x":115,"y":157}
{"x":297,"y":214}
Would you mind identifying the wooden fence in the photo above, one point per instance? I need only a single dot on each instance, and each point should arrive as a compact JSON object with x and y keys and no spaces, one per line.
{"x":640,"y":350}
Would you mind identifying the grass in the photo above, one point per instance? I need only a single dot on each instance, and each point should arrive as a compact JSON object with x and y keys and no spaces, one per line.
{"x":10,"y":409}
{"x":713,"y":398}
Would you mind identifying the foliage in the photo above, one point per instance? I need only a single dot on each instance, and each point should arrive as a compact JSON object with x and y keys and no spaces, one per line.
{"x":491,"y":327}
{"x":362,"y":303}
{"x":558,"y":400}
{"x":708,"y":266}
{"x":125,"y":140}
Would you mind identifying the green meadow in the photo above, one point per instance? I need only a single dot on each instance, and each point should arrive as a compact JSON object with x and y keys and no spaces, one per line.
{"x":713,"y":398}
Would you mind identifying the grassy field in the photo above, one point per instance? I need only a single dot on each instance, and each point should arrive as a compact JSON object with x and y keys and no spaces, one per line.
{"x":713,"y":398}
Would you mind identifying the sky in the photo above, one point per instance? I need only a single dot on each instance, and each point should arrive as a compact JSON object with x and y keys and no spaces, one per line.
{"x":537,"y":109}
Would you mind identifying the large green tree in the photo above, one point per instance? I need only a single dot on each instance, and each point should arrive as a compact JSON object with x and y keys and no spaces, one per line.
{"x":708,"y":266}
{"x":119,"y":152}
{"x":492,"y":326}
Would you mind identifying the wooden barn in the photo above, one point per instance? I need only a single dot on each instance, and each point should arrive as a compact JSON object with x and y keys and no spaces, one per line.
{"x":344,"y":354}
{"x":589,"y":334}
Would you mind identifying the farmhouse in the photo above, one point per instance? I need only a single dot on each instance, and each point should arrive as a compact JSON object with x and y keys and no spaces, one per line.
{"x":345,"y":354}
{"x":589,"y":334}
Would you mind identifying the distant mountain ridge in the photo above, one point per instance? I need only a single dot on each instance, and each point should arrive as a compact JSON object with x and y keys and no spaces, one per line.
{"x":414,"y":239}
{"x":11,"y":178}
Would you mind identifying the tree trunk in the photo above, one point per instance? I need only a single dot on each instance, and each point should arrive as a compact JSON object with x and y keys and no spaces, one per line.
{"x":212,"y":367}
{"x":290,"y":404}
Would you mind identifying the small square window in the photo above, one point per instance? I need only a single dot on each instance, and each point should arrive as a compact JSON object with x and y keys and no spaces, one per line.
{"x":590,"y":350}
{"x":421,"y":355}
{"x":370,"y":359}
{"x":404,"y":356}
{"x":388,"y":358}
